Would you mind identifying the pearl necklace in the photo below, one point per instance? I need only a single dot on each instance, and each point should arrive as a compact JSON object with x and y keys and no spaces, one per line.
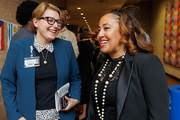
{"x":110,"y":78}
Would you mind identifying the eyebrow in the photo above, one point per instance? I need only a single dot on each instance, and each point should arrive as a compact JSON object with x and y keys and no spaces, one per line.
{"x":106,"y":24}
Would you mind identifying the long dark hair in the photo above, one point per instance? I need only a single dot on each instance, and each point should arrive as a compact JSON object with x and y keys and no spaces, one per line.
{"x":134,"y":37}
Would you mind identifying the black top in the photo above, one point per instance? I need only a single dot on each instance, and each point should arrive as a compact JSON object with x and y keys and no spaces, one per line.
{"x":45,"y":81}
{"x":110,"y":97}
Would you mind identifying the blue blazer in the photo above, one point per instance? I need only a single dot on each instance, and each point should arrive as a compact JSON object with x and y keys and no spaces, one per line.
{"x":18,"y":83}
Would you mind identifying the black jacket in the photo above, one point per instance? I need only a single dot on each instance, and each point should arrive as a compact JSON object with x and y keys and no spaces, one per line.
{"x":142,"y":92}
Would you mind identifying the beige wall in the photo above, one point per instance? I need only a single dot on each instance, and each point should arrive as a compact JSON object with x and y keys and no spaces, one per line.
{"x":157,"y":34}
{"x":8,"y":13}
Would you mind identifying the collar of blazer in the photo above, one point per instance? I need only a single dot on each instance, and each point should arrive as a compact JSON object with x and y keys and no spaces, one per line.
{"x":124,"y":80}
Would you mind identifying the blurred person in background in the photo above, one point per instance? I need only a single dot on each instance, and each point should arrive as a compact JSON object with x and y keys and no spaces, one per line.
{"x":84,"y":62}
{"x":96,"y":49}
{"x":66,"y":34}
{"x":24,"y":18}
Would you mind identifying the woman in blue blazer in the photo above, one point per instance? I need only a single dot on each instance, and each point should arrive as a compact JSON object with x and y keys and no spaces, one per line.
{"x":131,"y":83}
{"x":38,"y":66}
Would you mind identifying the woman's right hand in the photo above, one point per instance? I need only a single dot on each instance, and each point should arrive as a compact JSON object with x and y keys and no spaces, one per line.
{"x":71,"y":103}
{"x":22,"y":118}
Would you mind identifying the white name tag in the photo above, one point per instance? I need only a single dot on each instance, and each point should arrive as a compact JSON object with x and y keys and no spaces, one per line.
{"x":31,"y":62}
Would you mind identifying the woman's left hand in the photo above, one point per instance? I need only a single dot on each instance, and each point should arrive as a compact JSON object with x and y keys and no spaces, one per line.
{"x":71,"y":103}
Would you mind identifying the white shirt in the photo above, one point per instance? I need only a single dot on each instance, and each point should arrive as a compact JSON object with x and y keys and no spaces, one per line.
{"x":66,"y":34}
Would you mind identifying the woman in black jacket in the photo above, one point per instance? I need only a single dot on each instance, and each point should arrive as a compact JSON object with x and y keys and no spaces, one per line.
{"x":131,"y":83}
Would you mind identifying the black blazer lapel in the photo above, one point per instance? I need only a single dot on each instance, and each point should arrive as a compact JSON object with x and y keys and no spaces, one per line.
{"x":123,"y":83}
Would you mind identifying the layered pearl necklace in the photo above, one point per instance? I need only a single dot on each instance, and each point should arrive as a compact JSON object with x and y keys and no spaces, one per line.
{"x":101,"y":76}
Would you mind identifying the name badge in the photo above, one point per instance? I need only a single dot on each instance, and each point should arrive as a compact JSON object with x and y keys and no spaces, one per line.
{"x":31,"y":62}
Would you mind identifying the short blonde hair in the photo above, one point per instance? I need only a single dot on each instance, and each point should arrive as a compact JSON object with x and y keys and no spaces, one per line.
{"x":41,"y":8}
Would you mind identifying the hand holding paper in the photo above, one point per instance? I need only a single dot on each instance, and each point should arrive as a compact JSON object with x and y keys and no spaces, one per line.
{"x":59,"y":94}
{"x":71,"y":103}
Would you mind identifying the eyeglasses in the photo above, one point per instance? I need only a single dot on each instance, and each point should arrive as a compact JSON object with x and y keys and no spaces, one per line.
{"x":51,"y":21}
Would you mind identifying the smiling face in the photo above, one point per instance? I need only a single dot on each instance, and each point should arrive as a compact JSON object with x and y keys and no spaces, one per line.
{"x":46,"y":32}
{"x":109,"y":36}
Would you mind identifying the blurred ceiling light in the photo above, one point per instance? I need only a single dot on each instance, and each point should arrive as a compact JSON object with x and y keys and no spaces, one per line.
{"x":82,"y":14}
{"x":78,"y":8}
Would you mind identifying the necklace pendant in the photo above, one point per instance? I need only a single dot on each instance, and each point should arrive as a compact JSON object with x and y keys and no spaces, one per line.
{"x":45,"y":62}
{"x":45,"y":59}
